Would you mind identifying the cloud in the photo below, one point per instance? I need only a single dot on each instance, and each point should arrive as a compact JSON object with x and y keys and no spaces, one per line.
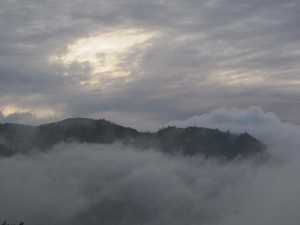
{"x":25,"y":118}
{"x":95,"y":184}
{"x":222,"y":53}
{"x":209,"y":55}
{"x":266,"y":126}
{"x":117,"y":184}
{"x":253,"y":116}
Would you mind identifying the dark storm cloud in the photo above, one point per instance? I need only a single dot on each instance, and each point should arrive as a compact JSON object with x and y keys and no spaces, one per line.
{"x":179,"y":74}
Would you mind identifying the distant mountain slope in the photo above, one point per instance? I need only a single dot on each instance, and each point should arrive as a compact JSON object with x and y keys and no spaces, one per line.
{"x":16,"y":138}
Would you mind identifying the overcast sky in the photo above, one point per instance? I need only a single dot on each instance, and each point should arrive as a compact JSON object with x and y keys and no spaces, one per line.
{"x":145,"y":63}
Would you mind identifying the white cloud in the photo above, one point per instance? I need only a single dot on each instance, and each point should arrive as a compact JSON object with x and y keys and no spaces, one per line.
{"x":107,"y":184}
{"x":265,"y":126}
{"x":103,"y":53}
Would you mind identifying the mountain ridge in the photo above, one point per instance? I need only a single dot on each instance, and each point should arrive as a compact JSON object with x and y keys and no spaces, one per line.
{"x":19,"y":138}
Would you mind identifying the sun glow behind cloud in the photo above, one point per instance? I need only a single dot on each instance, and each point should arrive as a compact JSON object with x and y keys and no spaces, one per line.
{"x":38,"y":112}
{"x":235,"y":77}
{"x":104,"y":53}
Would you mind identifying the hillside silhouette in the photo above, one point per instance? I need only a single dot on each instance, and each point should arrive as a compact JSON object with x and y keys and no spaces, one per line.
{"x":17,"y":138}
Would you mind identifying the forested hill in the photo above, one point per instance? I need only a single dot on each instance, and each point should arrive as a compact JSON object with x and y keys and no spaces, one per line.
{"x":16,"y":138}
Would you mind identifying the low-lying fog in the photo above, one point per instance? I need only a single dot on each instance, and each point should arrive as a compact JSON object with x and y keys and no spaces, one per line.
{"x":119,"y":185}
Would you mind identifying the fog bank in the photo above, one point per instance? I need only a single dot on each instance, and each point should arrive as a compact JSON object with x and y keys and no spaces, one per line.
{"x":117,"y":184}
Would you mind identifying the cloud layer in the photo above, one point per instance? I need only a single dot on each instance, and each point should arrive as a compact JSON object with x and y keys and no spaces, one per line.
{"x":221,"y":53}
{"x":116,"y":184}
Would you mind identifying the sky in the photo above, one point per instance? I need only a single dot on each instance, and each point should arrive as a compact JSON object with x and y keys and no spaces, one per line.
{"x":145,"y":63}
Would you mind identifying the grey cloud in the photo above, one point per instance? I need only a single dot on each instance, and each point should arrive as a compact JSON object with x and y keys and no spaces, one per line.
{"x":281,"y":137}
{"x":196,"y":39}
{"x":17,"y":118}
{"x":92,"y":184}
{"x":25,"y":118}
{"x":113,"y":184}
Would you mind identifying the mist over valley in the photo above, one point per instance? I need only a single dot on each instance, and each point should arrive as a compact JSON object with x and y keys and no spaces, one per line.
{"x":125,"y":177}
